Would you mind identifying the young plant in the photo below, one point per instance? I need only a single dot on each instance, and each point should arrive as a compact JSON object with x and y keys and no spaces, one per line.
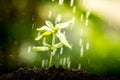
{"x":48,"y":30}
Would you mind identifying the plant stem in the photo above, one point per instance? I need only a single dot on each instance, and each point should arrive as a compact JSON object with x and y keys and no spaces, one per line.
{"x":51,"y":52}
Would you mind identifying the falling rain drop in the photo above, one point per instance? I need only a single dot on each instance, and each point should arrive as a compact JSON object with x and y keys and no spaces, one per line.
{"x":84,"y":2}
{"x":53,"y":0}
{"x":33,"y":26}
{"x":74,"y":9}
{"x":58,"y":18}
{"x":88,"y":61}
{"x":33,"y":18}
{"x":61,"y":2}
{"x":81,"y":51}
{"x":46,"y":62}
{"x":81,"y":32}
{"x":87,"y":45}
{"x":64,"y":61}
{"x":81,"y":17}
{"x":29,"y":49}
{"x":69,"y":64}
{"x":43,"y":63}
{"x":49,"y":14}
{"x":68,"y":59}
{"x":88,"y":14}
{"x":79,"y":66}
{"x":61,"y":60}
{"x":80,"y":42}
{"x":61,"y":50}
{"x":71,"y":3}
{"x":86,"y":22}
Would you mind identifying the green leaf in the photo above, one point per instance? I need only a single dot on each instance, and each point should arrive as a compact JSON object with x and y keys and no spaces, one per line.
{"x":49,"y":24}
{"x":44,"y":28}
{"x":63,"y":40}
{"x":64,"y":25}
{"x":39,"y":37}
{"x":42,"y":48}
{"x":59,"y":45}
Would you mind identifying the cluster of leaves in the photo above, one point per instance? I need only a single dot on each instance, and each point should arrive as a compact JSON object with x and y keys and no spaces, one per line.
{"x":55,"y":31}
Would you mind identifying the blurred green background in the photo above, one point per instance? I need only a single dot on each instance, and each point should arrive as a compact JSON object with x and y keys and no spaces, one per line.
{"x":95,"y":39}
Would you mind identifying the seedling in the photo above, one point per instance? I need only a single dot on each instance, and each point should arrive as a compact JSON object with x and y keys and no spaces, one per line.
{"x":48,"y":30}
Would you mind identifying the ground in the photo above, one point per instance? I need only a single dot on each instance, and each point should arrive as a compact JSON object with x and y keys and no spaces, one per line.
{"x":52,"y":73}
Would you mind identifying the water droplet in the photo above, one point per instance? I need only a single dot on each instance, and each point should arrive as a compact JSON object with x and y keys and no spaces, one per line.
{"x":74,"y":9}
{"x":80,"y":42}
{"x":43,"y":63}
{"x":81,"y":51}
{"x":61,"y":50}
{"x":71,"y":3}
{"x":29,"y":49}
{"x":87,"y":45}
{"x":49,"y":14}
{"x":61,"y":2}
{"x":79,"y":66}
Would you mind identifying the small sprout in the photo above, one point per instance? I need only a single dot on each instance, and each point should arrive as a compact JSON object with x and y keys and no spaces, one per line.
{"x":48,"y":30}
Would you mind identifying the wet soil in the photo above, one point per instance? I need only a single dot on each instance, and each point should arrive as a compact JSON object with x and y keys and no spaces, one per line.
{"x":52,"y":73}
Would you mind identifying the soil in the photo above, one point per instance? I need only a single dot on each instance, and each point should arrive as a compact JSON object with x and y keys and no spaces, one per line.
{"x":52,"y":73}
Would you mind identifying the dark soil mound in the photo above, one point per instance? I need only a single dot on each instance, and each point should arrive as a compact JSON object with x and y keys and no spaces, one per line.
{"x":51,"y":73}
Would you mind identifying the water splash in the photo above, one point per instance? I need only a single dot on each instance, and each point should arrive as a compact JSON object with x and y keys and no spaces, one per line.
{"x":71,"y":3}
{"x":61,"y":2}
{"x":50,"y":14}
